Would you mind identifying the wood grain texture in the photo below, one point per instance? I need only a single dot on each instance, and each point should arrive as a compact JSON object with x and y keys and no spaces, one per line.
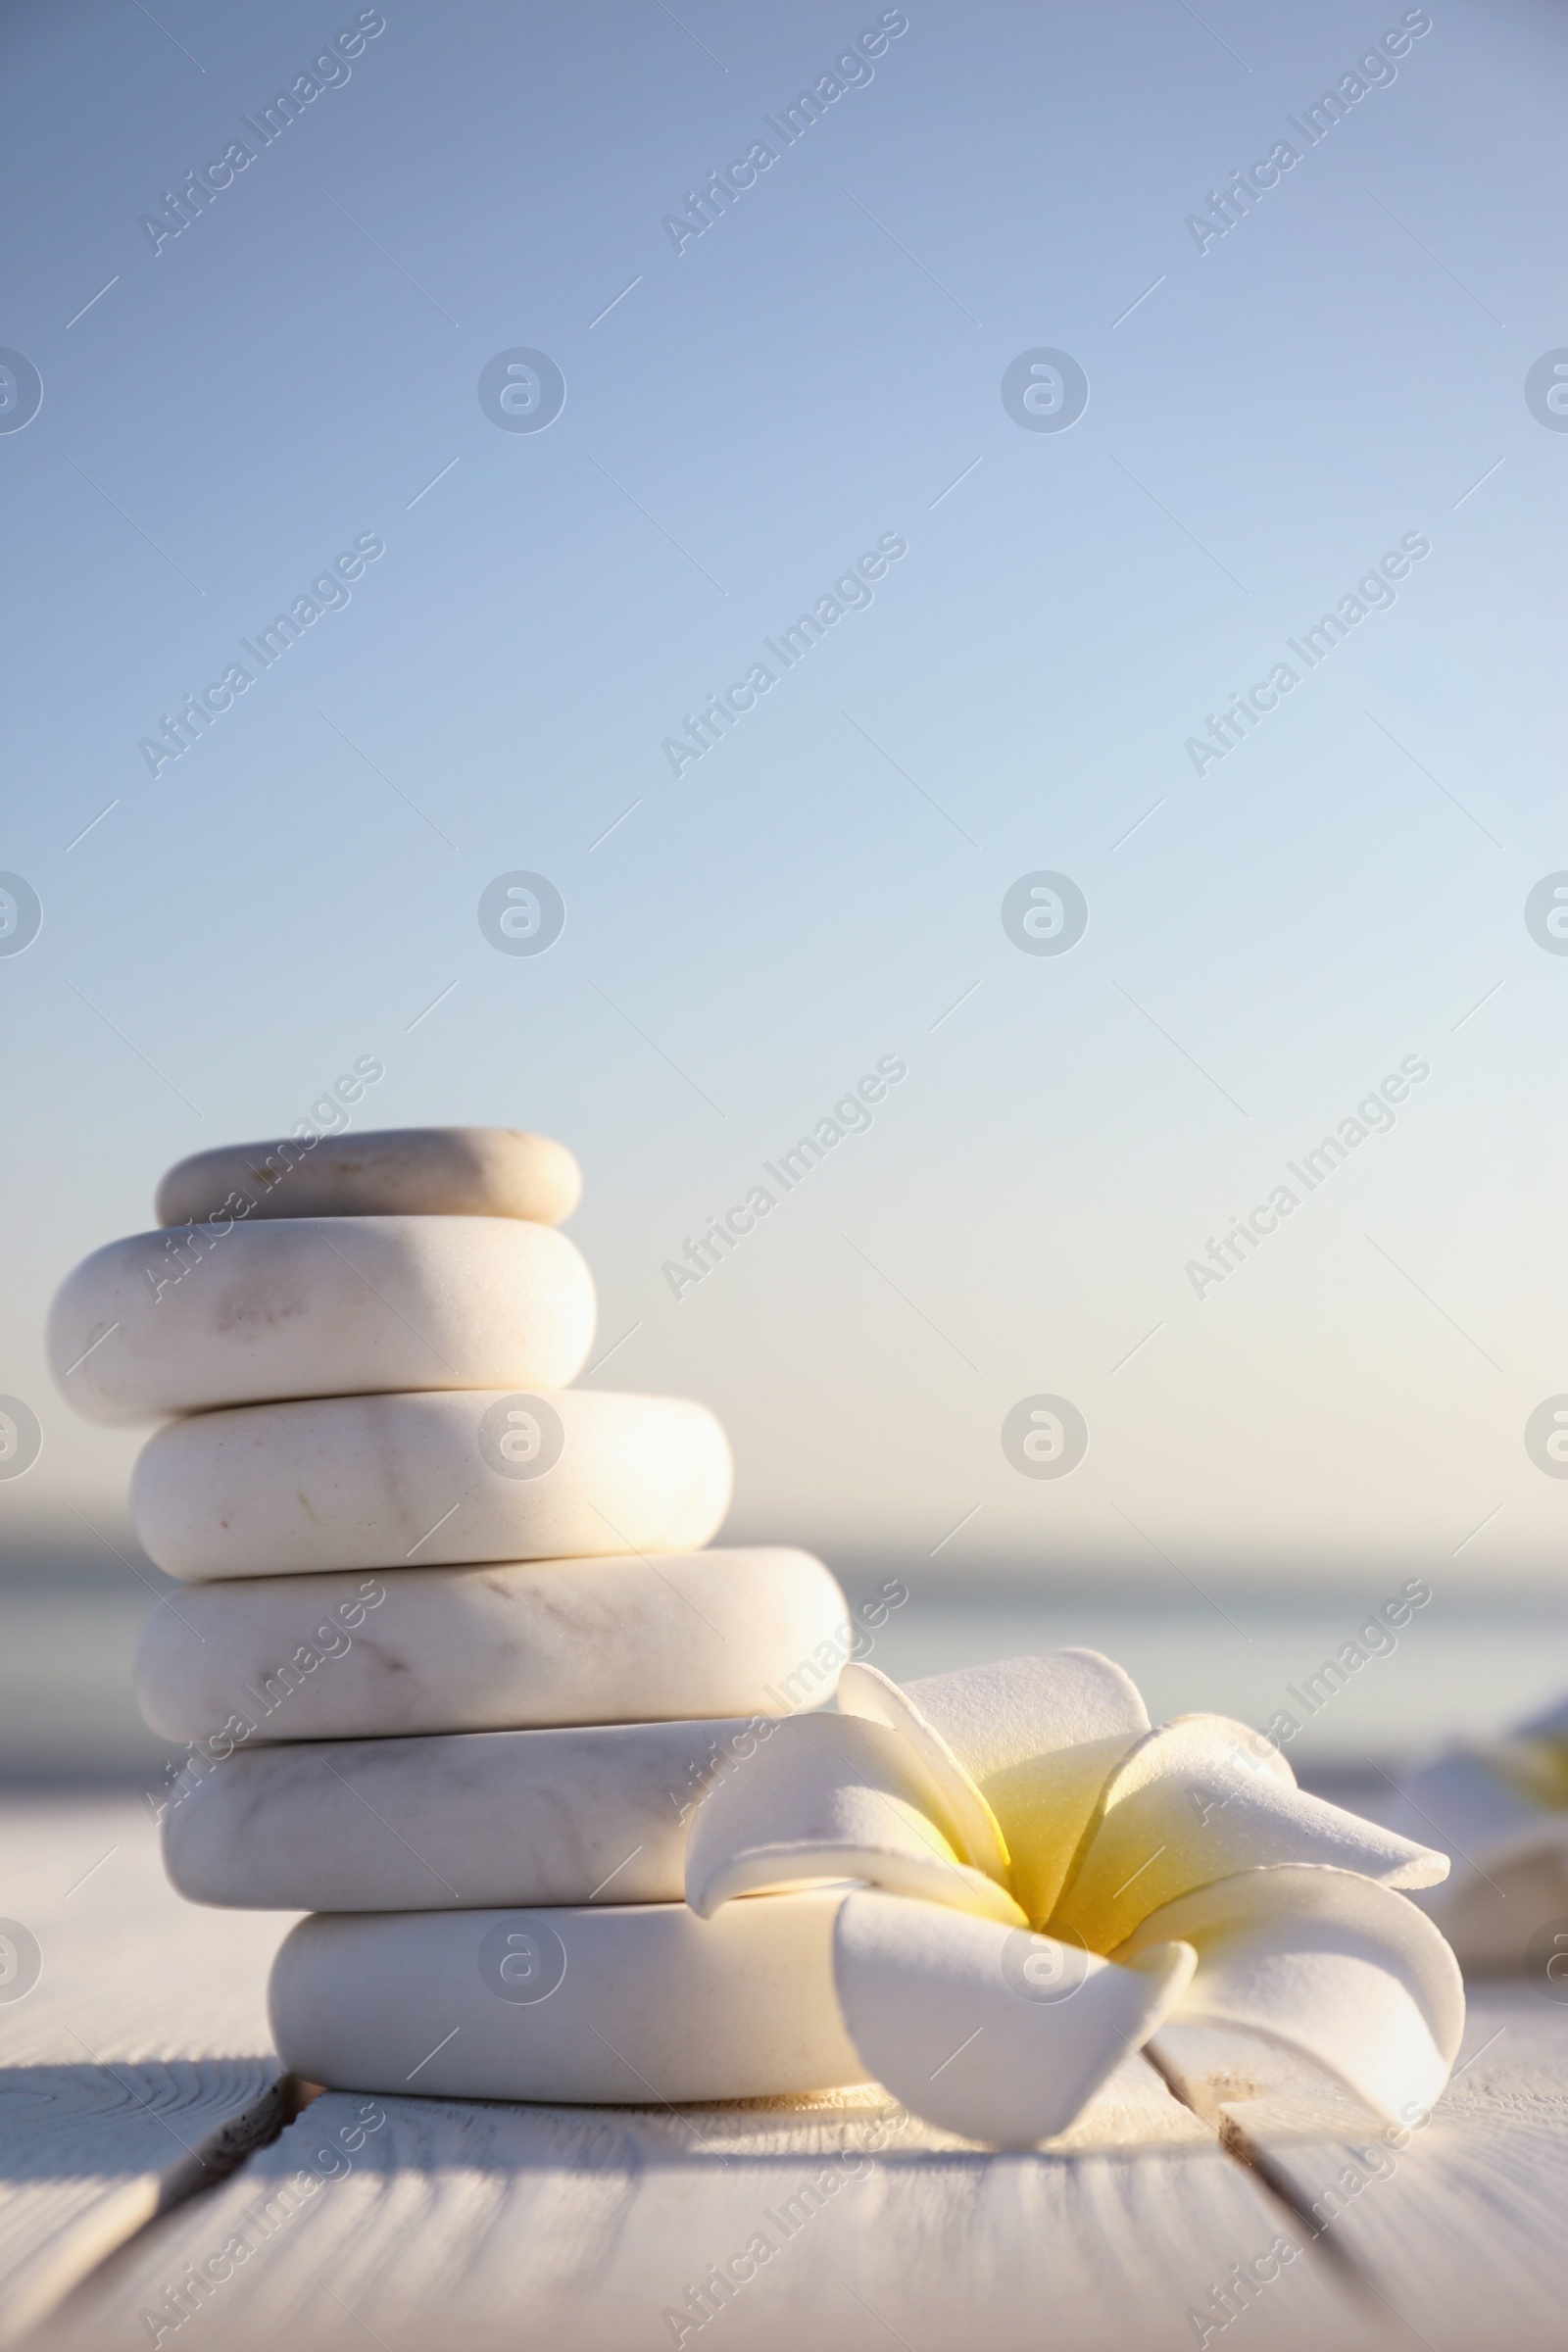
{"x":1459,"y":2233}
{"x":90,"y":2153}
{"x":130,"y":1971}
{"x":460,"y":2224}
{"x":433,"y":2225}
{"x":139,"y":2067}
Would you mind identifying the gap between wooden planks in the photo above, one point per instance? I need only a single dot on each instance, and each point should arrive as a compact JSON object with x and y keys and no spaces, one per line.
{"x":459,"y":2225}
{"x":433,"y":2225}
{"x":138,"y":2070}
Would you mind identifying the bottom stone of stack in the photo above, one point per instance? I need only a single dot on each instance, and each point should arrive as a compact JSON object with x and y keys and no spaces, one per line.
{"x":643,"y":2004}
{"x":453,"y":1821}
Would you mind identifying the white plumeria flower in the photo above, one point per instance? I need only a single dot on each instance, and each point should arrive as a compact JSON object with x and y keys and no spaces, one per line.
{"x":1047,"y":1879}
{"x":1503,"y":1805}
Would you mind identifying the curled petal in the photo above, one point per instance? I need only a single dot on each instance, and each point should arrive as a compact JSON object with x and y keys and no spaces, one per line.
{"x":1198,"y":1800}
{"x":1021,"y":1750}
{"x":1480,"y":1801}
{"x":1000,"y":2036}
{"x":1327,"y":1964}
{"x":1535,"y":1768}
{"x":1510,"y":1848}
{"x":1550,"y":1725}
{"x":828,"y":1797}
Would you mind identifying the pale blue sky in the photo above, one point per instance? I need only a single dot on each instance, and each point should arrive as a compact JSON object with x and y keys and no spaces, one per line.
{"x":1336,"y":372}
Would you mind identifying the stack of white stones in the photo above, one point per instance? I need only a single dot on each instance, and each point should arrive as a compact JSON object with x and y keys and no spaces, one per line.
{"x":453,"y":1666}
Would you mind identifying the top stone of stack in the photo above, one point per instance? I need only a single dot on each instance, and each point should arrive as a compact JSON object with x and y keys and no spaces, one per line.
{"x":390,"y":1172}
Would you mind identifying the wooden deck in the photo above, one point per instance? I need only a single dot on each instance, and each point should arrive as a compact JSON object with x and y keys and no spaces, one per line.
{"x":141,"y":2137}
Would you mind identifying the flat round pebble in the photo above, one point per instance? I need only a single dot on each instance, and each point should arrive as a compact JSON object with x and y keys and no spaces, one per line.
{"x":472,"y":1819}
{"x":614,"y":2007}
{"x":393,"y":1482}
{"x":500,"y":1647}
{"x":391,"y":1171}
{"x":321,"y":1306}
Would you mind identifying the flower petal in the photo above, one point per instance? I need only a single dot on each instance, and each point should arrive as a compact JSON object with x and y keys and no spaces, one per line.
{"x":1198,"y":1801}
{"x":1510,"y":1854}
{"x":1329,"y":1964}
{"x":942,"y":2009}
{"x":1021,"y":1750}
{"x":828,"y":1797}
{"x":1537,"y":1768}
{"x":1552,"y":1724}
{"x":1465,"y":1800}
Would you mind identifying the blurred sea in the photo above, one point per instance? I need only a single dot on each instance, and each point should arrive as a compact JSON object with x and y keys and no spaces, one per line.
{"x":1474,"y":1659}
{"x":1459,"y":1664}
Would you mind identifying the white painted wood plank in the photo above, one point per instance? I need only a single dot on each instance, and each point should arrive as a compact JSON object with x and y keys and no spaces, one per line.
{"x":1457,"y":2226}
{"x":462,"y":2224}
{"x":465,"y":2226}
{"x":457,"y":2225}
{"x":90,"y":2153}
{"x":130,"y":1970}
{"x":138,"y":2066}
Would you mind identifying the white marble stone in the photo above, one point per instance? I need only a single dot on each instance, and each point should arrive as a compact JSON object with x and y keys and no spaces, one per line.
{"x":652,"y":2006}
{"x":388,"y":1482}
{"x":391,"y":1171}
{"x":500,"y":1647}
{"x":458,"y":1822}
{"x":318,"y":1307}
